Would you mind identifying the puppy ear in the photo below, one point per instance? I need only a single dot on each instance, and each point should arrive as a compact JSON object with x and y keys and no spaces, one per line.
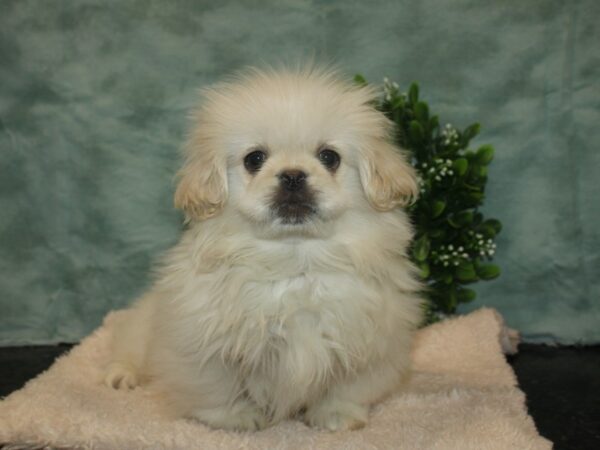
{"x":202,"y":189}
{"x":386,"y":176}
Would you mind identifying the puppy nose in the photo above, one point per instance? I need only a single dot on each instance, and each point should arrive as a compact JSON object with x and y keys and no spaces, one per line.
{"x":292,"y":180}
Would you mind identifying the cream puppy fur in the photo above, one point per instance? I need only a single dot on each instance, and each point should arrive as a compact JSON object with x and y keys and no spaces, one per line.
{"x":290,"y":294}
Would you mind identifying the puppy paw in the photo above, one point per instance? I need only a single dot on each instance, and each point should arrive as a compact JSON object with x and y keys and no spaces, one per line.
{"x":121,"y":376}
{"x":334,"y":415}
{"x":242,"y":416}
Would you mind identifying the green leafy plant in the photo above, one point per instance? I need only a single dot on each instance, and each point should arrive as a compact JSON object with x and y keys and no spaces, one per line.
{"x":454,"y":242}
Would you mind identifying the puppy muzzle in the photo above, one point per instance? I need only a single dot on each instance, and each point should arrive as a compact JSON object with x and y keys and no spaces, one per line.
{"x":294,"y":201}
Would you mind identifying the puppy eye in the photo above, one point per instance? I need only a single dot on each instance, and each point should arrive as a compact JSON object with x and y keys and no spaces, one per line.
{"x":329,"y":158}
{"x":253,"y":161}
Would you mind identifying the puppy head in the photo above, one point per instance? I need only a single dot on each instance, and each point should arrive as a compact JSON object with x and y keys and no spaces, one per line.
{"x":290,"y":151}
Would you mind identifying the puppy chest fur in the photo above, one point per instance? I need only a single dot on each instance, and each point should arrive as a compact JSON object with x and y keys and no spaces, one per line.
{"x":288,"y":323}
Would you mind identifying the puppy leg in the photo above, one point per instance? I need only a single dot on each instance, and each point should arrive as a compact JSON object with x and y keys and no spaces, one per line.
{"x":128,"y":346}
{"x":212,"y":394}
{"x":346,"y":405}
{"x":242,"y":415}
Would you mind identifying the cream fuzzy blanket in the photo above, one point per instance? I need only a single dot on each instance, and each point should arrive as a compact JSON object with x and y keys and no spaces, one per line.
{"x":462,"y":395}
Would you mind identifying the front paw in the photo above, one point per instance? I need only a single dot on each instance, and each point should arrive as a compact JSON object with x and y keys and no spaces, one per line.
{"x":242,"y":416}
{"x":337,"y":415}
{"x":121,"y":376}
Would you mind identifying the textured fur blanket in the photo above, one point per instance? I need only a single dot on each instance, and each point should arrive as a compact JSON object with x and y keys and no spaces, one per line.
{"x":462,"y":395}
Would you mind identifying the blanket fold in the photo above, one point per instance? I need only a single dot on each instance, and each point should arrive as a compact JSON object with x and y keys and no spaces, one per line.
{"x":462,"y":395}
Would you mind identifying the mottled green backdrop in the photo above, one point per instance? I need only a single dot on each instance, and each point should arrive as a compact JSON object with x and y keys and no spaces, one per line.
{"x":93,"y":102}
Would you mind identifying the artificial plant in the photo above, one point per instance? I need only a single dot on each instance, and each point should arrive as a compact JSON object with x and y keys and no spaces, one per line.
{"x":454,"y":242}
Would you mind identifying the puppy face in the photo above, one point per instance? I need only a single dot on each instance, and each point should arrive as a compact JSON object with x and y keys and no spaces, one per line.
{"x":291,"y":152}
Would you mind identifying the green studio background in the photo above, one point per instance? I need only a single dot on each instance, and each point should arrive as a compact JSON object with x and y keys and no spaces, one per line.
{"x":94,"y":97}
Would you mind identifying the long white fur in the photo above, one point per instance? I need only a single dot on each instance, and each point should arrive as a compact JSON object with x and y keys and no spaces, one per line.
{"x":252,"y":320}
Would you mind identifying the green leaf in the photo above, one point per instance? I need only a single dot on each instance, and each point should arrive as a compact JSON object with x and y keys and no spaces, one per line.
{"x":485,"y":154}
{"x":437,"y":208}
{"x":465,"y":217}
{"x":461,"y":219}
{"x":466,"y":272}
{"x":397,"y":102}
{"x":425,"y":271}
{"x":360,"y":80}
{"x":466,"y":295}
{"x":452,"y":221}
{"x":472,"y":187}
{"x":452,"y":299}
{"x":477,"y":170}
{"x":470,"y":132}
{"x":421,"y":248}
{"x":434,"y":123}
{"x":447,"y":278}
{"x":475,"y":197}
{"x":488,"y":271}
{"x":489,"y":231}
{"x":494,"y":224}
{"x":422,"y":112}
{"x":413,"y":93}
{"x":437,"y":233}
{"x":415,"y":131}
{"x":460,"y":166}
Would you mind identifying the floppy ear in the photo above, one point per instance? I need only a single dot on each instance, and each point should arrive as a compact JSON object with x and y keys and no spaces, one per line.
{"x":386,"y":176}
{"x":202,"y":189}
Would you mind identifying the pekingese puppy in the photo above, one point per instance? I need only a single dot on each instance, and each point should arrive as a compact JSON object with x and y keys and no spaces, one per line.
{"x":290,"y":294}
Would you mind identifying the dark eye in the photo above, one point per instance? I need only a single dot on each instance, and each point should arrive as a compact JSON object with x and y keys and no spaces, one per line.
{"x":329,"y":158}
{"x":254,"y":160}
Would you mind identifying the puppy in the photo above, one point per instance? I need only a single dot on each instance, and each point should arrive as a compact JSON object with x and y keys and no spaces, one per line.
{"x":290,"y":294}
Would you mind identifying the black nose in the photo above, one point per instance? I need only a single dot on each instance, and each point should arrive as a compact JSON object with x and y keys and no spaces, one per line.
{"x":292,"y":180}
